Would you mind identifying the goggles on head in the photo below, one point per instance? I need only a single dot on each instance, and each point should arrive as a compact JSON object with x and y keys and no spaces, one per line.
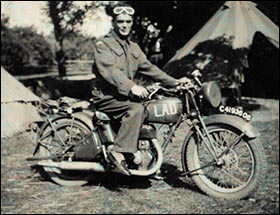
{"x":124,"y":9}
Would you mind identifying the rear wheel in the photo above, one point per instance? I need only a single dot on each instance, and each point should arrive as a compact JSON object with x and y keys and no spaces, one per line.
{"x":240,"y":170}
{"x":53,"y":143}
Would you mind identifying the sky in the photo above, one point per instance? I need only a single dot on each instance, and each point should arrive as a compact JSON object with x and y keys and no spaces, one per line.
{"x":31,"y":13}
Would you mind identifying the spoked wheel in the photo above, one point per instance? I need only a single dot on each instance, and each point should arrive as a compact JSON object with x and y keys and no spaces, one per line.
{"x":241,"y":166}
{"x":53,"y":143}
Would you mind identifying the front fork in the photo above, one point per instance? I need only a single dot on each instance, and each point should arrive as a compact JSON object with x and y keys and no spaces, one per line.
{"x":208,"y":140}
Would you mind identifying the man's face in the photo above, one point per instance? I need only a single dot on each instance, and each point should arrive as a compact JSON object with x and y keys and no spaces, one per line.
{"x":123,"y":25}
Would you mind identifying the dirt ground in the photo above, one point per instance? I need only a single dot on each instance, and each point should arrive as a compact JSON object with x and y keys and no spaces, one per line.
{"x":24,"y":191}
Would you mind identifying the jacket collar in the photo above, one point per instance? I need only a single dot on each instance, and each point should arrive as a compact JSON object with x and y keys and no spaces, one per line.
{"x":116,"y":43}
{"x":118,"y":39}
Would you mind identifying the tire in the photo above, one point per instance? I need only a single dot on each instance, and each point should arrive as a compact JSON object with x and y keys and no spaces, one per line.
{"x":243,"y":169}
{"x":52,"y":145}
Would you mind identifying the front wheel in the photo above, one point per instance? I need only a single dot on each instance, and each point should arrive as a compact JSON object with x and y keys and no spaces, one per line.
{"x":240,"y":171}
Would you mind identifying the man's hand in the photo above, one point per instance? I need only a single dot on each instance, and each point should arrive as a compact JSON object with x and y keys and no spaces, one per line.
{"x":183,"y":80}
{"x":139,"y":91}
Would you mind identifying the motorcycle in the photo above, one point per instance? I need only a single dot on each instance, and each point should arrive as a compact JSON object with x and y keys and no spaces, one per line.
{"x":221,"y":151}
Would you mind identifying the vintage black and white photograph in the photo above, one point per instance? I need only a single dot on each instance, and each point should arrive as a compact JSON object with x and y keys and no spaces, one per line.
{"x":139,"y":107}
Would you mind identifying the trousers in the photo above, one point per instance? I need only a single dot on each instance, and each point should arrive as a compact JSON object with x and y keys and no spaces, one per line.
{"x":132,"y":116}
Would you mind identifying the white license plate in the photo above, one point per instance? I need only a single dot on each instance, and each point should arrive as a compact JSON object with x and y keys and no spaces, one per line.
{"x":235,"y":111}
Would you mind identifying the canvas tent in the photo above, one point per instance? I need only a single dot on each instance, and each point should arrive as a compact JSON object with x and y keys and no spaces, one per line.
{"x":16,"y":110}
{"x":238,"y":21}
{"x":221,"y":48}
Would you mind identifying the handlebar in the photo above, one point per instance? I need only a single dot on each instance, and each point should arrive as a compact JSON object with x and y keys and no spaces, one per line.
{"x":154,"y":88}
{"x":179,"y":87}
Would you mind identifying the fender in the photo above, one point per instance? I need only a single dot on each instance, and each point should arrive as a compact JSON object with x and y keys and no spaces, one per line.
{"x":230,"y":120}
{"x":233,"y":121}
{"x":85,"y":117}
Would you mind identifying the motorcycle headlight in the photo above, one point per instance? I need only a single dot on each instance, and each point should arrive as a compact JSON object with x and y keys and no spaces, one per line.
{"x":211,"y":93}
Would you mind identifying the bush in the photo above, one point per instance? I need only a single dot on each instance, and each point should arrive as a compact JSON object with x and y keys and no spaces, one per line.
{"x":22,"y":48}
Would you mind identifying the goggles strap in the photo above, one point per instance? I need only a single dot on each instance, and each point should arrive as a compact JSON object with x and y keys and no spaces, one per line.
{"x":128,"y":10}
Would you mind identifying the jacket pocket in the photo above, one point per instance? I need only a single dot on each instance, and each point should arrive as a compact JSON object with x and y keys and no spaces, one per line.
{"x":117,"y":50}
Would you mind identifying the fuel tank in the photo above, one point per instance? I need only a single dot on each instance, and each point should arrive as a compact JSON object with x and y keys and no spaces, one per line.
{"x":164,"y":110}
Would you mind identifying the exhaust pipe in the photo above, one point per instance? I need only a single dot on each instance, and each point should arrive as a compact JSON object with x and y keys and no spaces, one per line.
{"x":93,"y":166}
{"x":75,"y":165}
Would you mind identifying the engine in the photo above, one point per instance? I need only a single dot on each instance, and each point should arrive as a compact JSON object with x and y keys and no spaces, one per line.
{"x":144,"y":156}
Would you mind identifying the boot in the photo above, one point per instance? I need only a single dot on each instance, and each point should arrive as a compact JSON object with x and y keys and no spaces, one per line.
{"x":118,"y":160}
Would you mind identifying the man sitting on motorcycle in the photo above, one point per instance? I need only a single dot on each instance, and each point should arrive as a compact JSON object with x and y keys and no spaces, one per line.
{"x":116,"y":62}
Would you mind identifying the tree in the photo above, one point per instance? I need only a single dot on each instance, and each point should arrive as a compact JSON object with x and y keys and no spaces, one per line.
{"x":66,"y":17}
{"x":64,"y":23}
{"x":78,"y":47}
{"x":22,"y":48}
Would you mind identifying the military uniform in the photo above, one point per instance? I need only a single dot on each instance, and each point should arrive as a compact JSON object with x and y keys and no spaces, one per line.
{"x":116,"y":63}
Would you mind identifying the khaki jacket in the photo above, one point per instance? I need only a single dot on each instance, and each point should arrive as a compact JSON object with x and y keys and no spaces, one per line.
{"x":116,"y":62}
